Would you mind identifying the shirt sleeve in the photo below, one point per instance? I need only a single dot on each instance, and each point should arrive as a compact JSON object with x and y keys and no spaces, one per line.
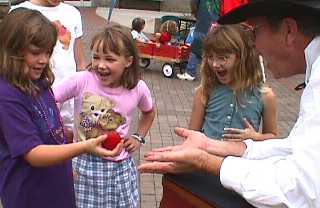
{"x":145,"y":102}
{"x":19,"y":132}
{"x":144,"y":37}
{"x":263,"y":183}
{"x":134,"y":34}
{"x":69,"y":87}
{"x":267,"y":148}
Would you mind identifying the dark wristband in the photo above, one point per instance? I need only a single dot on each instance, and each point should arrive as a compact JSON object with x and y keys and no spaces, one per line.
{"x":138,"y":137}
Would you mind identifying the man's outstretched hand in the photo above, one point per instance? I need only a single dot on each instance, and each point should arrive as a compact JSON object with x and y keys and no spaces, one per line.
{"x":181,"y":160}
{"x":188,"y":156}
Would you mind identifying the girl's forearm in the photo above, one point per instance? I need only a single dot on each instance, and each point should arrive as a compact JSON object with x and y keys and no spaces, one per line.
{"x":46,"y":155}
{"x":145,"y":122}
{"x":261,"y":137}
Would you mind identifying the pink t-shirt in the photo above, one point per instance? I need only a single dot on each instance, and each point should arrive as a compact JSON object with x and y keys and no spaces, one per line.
{"x":99,"y":109}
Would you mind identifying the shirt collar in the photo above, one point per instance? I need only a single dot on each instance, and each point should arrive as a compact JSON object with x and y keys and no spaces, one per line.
{"x":311,"y":53}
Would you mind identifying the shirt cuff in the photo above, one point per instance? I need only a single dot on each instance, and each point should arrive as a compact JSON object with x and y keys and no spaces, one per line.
{"x":249,"y":144}
{"x":232,"y":173}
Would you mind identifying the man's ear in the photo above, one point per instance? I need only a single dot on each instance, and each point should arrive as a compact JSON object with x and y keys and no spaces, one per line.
{"x":129,"y":61}
{"x":291,"y":30}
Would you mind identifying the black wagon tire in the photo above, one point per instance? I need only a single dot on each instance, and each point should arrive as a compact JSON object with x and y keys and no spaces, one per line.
{"x":167,"y":70}
{"x":144,"y":62}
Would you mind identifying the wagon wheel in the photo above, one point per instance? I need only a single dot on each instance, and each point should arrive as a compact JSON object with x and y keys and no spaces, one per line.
{"x":167,"y":70}
{"x":144,"y":62}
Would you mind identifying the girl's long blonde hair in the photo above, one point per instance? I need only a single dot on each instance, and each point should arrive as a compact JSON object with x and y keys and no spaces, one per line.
{"x":118,"y":40}
{"x":19,"y":30}
{"x":232,"y":39}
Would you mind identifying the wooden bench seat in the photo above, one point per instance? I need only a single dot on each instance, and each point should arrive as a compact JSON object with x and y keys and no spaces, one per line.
{"x":198,"y":190}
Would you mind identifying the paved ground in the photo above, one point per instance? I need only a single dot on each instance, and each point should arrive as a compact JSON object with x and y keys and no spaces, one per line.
{"x":173,"y":100}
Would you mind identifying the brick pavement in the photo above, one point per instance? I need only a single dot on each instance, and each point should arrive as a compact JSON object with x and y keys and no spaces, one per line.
{"x":173,"y":100}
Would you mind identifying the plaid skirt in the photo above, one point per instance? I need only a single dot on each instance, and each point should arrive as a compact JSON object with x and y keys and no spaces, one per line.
{"x":102,"y":183}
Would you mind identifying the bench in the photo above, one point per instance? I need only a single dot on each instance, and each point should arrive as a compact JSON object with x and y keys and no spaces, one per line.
{"x":198,"y":190}
{"x":153,"y":5}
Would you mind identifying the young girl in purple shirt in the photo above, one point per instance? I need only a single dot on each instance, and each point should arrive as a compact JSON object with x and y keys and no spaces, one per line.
{"x":35,"y":166}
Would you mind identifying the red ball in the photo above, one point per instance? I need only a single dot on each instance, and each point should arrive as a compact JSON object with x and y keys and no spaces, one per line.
{"x":112,"y":140}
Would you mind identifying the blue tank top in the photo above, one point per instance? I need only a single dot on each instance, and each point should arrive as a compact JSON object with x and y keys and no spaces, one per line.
{"x":223,"y":111}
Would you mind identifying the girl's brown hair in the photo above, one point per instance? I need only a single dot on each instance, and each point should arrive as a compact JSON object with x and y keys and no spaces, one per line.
{"x":118,"y":40}
{"x":232,"y":39}
{"x":19,"y":30}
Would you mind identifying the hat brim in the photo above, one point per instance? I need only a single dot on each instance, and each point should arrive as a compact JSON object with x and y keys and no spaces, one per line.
{"x":271,"y":7}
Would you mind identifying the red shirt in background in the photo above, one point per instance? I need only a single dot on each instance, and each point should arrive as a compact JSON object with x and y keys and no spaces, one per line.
{"x":164,"y":38}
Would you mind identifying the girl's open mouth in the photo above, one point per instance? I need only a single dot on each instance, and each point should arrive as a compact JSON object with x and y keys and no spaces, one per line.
{"x":222,"y":73}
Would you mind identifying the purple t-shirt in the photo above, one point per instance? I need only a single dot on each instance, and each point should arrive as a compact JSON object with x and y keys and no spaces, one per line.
{"x":25,"y":124}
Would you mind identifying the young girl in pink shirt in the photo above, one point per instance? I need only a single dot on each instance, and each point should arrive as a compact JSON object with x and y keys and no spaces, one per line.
{"x":106,"y":97}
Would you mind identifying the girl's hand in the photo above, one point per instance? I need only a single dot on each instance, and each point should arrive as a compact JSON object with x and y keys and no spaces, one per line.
{"x":240,"y":134}
{"x":94,"y":146}
{"x":131,"y":144}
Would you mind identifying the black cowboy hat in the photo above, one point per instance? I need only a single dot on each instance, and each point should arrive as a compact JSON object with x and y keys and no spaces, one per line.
{"x":258,"y":8}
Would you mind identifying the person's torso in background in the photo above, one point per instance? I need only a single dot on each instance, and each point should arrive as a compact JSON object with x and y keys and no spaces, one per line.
{"x":206,"y":15}
{"x":223,"y":111}
{"x":67,"y":20}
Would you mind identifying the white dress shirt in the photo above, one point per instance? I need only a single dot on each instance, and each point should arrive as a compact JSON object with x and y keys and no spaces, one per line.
{"x":284,"y":172}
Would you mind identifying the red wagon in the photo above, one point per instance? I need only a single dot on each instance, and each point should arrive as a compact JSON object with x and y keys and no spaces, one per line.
{"x":173,"y":56}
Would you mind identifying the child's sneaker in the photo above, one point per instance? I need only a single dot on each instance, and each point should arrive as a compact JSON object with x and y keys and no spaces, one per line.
{"x":185,"y":76}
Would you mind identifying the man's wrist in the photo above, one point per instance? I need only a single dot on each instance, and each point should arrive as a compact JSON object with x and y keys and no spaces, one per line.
{"x":212,"y":163}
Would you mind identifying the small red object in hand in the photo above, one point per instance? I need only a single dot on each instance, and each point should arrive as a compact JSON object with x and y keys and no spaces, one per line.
{"x":112,"y":140}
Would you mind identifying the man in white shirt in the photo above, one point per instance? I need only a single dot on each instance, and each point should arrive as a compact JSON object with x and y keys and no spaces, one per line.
{"x":271,"y":173}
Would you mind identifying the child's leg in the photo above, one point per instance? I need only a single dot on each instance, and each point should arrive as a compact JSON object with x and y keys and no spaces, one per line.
{"x":80,"y":178}
{"x":101,"y":183}
{"x":129,"y":197}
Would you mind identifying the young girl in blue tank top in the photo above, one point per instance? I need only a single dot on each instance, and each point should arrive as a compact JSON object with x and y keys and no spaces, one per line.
{"x":232,"y":101}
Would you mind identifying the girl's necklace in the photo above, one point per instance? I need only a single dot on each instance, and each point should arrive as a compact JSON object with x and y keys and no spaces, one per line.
{"x":58,"y":133}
